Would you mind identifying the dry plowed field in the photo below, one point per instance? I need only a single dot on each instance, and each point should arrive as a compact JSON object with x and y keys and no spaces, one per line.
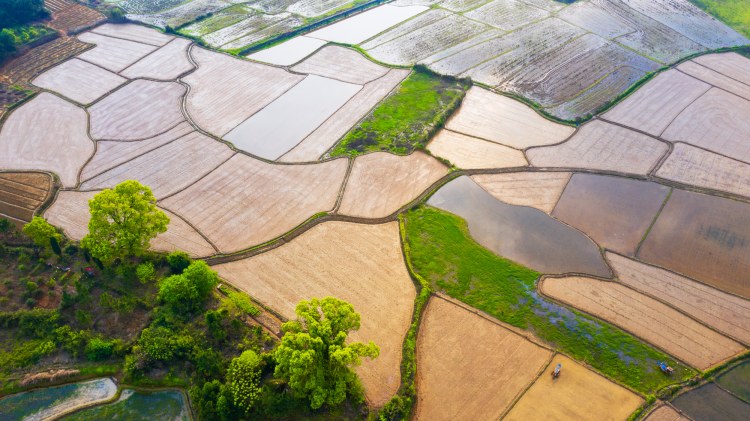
{"x":698,"y":167}
{"x":715,"y":78}
{"x":540,"y":190}
{"x":70,"y":17}
{"x":245,"y":202}
{"x":113,"y":54}
{"x":341,"y":63}
{"x":22,"y":69}
{"x":70,"y":213}
{"x":78,"y":80}
{"x":724,"y":312}
{"x":21,"y":194}
{"x":657,"y":323}
{"x":166,"y":63}
{"x":470,"y":152}
{"x":380,"y":183}
{"x":615,"y":212}
{"x":602,"y":146}
{"x":361,"y":264}
{"x":665,"y":413}
{"x":130,"y":32}
{"x":577,"y":394}
{"x":46,"y":134}
{"x":470,"y":367}
{"x":704,"y":237}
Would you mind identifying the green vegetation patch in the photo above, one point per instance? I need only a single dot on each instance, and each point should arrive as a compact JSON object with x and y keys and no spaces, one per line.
{"x":442,"y":251}
{"x":406,"y":119}
{"x":734,"y":13}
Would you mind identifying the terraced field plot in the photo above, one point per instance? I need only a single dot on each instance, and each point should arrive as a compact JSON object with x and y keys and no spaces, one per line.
{"x":540,"y":190}
{"x":80,"y":81}
{"x":698,"y":167}
{"x":470,"y":152}
{"x":21,"y":194}
{"x":361,"y":264}
{"x":70,"y":17}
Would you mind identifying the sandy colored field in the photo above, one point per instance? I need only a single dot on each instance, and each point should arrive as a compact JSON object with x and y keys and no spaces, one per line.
{"x":697,"y":167}
{"x":469,"y":152}
{"x":730,"y":64}
{"x":615,"y":212}
{"x":325,"y":136}
{"x":704,"y":237}
{"x":70,"y":212}
{"x":225,"y":91}
{"x":110,"y":154}
{"x":469,"y":367}
{"x":169,"y":168}
{"x":380,"y":183}
{"x":653,"y":107}
{"x":724,"y":312}
{"x":140,"y":110}
{"x":288,"y":52}
{"x":47,"y":134}
{"x":578,"y":394}
{"x":78,"y":80}
{"x":361,"y":264}
{"x":503,"y":120}
{"x":21,"y":194}
{"x":539,"y":190}
{"x":602,"y":146}
{"x":138,"y":33}
{"x":717,"y":121}
{"x":715,"y":78}
{"x":166,"y":63}
{"x":665,"y":413}
{"x":113,"y":54}
{"x":246,"y":202}
{"x":343,"y":64}
{"x":646,"y":318}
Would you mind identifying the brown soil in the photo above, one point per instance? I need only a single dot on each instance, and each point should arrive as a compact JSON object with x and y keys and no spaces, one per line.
{"x":577,"y":394}
{"x":113,"y":54}
{"x":343,"y":64}
{"x":78,"y":80}
{"x":665,"y":413}
{"x":645,"y":317}
{"x":361,"y":264}
{"x":166,"y":63}
{"x":70,"y":17}
{"x":469,"y":367}
{"x":132,"y":32}
{"x":697,"y":167}
{"x":22,"y":69}
{"x":21,"y":194}
{"x":469,"y":152}
{"x":539,"y":190}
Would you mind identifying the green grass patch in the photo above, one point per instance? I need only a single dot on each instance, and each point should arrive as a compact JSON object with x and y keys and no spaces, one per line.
{"x":442,"y":251}
{"x":406,"y":119}
{"x":735,"y":13}
{"x":240,"y":300}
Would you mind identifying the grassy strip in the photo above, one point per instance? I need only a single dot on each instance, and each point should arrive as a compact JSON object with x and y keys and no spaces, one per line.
{"x":734,"y":13}
{"x":406,"y":119}
{"x":240,"y":300}
{"x":443,"y":252}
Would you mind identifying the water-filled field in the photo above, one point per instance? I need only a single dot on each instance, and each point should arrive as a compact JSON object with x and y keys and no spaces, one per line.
{"x":41,"y":404}
{"x":168,"y":405}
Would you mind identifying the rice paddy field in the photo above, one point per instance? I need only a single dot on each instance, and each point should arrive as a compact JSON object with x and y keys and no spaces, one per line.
{"x":496,"y":186}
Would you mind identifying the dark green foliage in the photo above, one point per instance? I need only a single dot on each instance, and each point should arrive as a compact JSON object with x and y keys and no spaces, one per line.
{"x":99,"y":349}
{"x":18,"y":12}
{"x":55,"y":246}
{"x":5,"y":225}
{"x":188,"y":291}
{"x":178,"y":261}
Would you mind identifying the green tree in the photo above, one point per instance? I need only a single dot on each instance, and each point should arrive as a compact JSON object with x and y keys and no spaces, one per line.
{"x":178,"y":260}
{"x":42,"y":232}
{"x":243,"y":379}
{"x":313,"y":356}
{"x":188,"y":291}
{"x":123,"y":222}
{"x":5,"y":226}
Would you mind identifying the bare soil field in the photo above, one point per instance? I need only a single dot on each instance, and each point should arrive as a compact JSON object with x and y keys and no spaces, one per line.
{"x":22,"y":69}
{"x":470,"y":152}
{"x":519,"y":233}
{"x":138,"y":33}
{"x":246,"y":202}
{"x":113,"y":54}
{"x":70,"y":17}
{"x":540,"y":190}
{"x":731,"y":65}
{"x":469,"y":367}
{"x":697,"y":167}
{"x":70,"y":212}
{"x":225,"y":91}
{"x":110,"y":154}
{"x":47,"y":134}
{"x":361,"y":264}
{"x":710,"y":402}
{"x":665,"y":413}
{"x":602,"y":146}
{"x":646,"y":318}
{"x":578,"y":394}
{"x":21,"y":194}
{"x":704,"y":237}
{"x":380,"y":183}
{"x":169,"y":168}
{"x":615,"y":212}
{"x":724,"y":312}
{"x":715,"y":78}
{"x":329,"y":133}
{"x":653,"y":107}
{"x":717,"y":121}
{"x":166,"y":63}
{"x":503,"y":120}
{"x":78,"y":80}
{"x":139,"y":110}
{"x":341,"y":63}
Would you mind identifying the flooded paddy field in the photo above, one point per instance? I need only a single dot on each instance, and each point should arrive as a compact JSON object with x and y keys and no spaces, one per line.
{"x":49,"y":402}
{"x":737,"y":381}
{"x":710,"y":402}
{"x":167,"y":405}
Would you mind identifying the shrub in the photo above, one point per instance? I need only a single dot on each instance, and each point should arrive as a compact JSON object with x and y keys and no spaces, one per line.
{"x":71,"y":250}
{"x":178,"y":261}
{"x":145,"y":272}
{"x":99,"y":349}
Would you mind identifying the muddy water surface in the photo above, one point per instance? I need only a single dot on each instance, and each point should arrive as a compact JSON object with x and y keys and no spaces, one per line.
{"x":710,"y":402}
{"x":737,"y":381}
{"x":167,"y":405}
{"x":44,"y":403}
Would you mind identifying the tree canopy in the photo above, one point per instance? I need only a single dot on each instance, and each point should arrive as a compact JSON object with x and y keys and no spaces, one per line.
{"x":19,"y":12}
{"x":313,"y":356}
{"x":123,"y":221}
{"x":41,"y":232}
{"x":244,"y":379}
{"x":188,"y":291}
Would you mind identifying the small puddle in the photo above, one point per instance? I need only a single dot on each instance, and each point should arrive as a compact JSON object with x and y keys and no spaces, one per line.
{"x":44,"y":403}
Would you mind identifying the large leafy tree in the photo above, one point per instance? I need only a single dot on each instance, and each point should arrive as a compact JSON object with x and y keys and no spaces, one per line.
{"x":313,"y":356}
{"x":41,"y":232}
{"x":244,"y":379}
{"x":123,"y":221}
{"x":188,"y":291}
{"x":18,"y":12}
